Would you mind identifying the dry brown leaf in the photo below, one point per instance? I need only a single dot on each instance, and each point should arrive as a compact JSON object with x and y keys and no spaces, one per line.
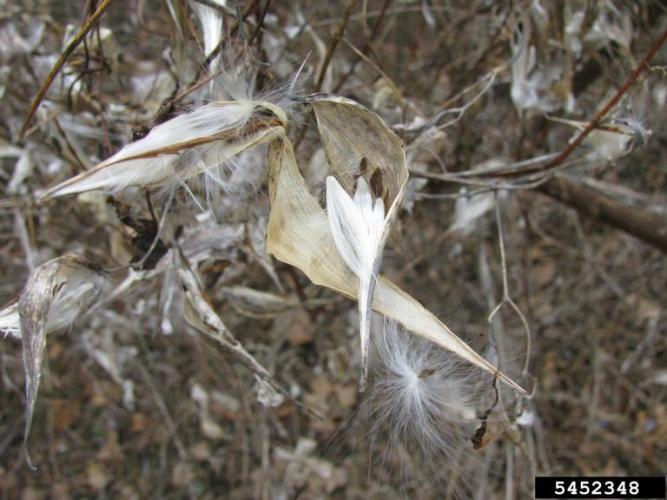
{"x":200,"y":314}
{"x":346,"y":395}
{"x":258,"y":304}
{"x":65,"y":412}
{"x":300,"y":330}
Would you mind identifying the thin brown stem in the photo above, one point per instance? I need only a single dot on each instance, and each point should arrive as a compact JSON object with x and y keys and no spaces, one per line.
{"x":71,"y":47}
{"x":643,"y":65}
{"x":374,"y":32}
{"x":333,"y":43}
{"x":648,"y":227}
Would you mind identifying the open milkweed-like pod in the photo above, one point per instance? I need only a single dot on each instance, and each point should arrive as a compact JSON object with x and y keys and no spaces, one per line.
{"x":357,"y":143}
{"x":299,"y":233}
{"x":360,"y":149}
{"x":188,"y":144}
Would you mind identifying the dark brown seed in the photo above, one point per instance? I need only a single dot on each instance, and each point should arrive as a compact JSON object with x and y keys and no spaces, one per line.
{"x":377,"y":187}
{"x":363,"y":165}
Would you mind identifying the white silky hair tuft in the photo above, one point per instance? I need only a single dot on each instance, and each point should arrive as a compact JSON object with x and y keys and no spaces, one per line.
{"x":211,"y":27}
{"x":178,"y":149}
{"x":532,"y":83}
{"x":421,"y":396}
{"x":419,"y":413}
{"x":357,"y":225}
{"x":10,"y":322}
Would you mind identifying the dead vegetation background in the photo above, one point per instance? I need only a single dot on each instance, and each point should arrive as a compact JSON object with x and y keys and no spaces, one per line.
{"x":134,"y":403}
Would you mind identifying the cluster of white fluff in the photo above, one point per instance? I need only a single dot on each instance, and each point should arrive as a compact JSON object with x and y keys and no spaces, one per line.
{"x":422,"y":407}
{"x":211,"y":25}
{"x":420,"y":393}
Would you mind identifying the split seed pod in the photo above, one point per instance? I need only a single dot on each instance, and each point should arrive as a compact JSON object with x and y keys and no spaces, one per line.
{"x":57,"y":292}
{"x":359,"y":147}
{"x":192,"y":143}
{"x":298,"y":231}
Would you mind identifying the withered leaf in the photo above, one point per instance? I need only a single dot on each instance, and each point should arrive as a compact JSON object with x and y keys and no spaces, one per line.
{"x":200,"y":314}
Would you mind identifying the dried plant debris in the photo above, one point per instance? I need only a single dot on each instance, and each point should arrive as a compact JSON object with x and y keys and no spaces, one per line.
{"x":258,"y":304}
{"x":251,"y":245}
{"x":613,"y":138}
{"x":56,"y":294}
{"x":305,"y":472}
{"x":143,"y":236}
{"x":199,"y":314}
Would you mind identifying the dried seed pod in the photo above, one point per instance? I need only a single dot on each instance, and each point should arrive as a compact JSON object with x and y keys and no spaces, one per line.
{"x":613,"y":138}
{"x":360,"y":147}
{"x":56,"y":294}
{"x":299,"y":233}
{"x":202,"y":140}
{"x":200,"y":314}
